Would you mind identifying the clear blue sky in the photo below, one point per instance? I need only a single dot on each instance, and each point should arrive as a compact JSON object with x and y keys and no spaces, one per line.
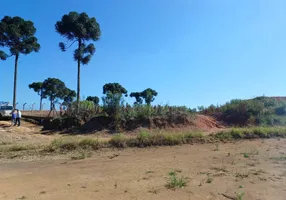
{"x":193,"y":52}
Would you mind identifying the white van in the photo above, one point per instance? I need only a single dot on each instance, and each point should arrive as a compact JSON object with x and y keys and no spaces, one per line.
{"x":5,"y":111}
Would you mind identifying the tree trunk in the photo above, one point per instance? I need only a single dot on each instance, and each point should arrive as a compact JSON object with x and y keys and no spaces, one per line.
{"x":15,"y":80}
{"x":51,"y":105}
{"x":41,"y":100}
{"x":78,"y":78}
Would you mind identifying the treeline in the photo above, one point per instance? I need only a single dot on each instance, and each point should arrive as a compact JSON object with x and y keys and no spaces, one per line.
{"x":56,"y":91}
{"x":111,"y":112}
{"x":18,"y":36}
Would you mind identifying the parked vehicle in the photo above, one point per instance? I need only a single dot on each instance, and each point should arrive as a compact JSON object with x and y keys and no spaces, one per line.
{"x":5,"y":111}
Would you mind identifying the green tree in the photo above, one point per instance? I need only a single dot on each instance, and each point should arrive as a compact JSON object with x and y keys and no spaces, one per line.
{"x":68,"y":97}
{"x":18,"y":35}
{"x":38,"y":87}
{"x":113,"y":101}
{"x":94,"y":99}
{"x":149,"y":95}
{"x":138,"y":97}
{"x":54,"y":89}
{"x":79,"y":28}
{"x":114,"y":88}
{"x":201,"y":108}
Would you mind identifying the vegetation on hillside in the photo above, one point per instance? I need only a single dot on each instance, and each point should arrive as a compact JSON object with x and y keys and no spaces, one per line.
{"x":257,"y":111}
{"x":114,"y":113}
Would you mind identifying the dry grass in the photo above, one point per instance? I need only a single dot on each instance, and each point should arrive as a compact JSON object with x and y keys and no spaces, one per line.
{"x":146,"y":139}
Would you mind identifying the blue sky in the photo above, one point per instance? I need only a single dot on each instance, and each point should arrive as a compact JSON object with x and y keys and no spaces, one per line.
{"x":193,"y":52}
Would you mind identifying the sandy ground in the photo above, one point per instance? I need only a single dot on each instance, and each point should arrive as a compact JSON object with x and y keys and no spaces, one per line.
{"x":256,"y":168}
{"x":27,"y":133}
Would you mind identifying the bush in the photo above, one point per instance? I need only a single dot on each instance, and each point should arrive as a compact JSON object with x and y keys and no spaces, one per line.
{"x":89,"y":143}
{"x":143,"y":139}
{"x":251,"y":133}
{"x":281,"y":110}
{"x":62,"y":123}
{"x":118,"y":141}
{"x":258,"y":111}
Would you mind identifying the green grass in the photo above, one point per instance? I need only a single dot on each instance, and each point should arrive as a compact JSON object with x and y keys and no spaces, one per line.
{"x":148,"y":139}
{"x":281,"y":158}
{"x":245,"y":155}
{"x":251,"y":133}
{"x":89,"y":143}
{"x":145,"y":139}
{"x":175,"y":182}
{"x":18,"y":147}
{"x":71,"y":144}
{"x":239,"y":196}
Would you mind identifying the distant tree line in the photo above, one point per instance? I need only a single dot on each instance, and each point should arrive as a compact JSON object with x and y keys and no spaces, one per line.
{"x":56,"y":91}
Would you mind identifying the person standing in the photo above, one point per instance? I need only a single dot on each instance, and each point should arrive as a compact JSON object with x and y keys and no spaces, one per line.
{"x":14,"y":115}
{"x":18,"y":118}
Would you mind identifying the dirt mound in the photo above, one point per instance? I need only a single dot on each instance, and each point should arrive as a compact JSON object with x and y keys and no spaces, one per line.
{"x":206,"y":122}
{"x":199,"y":122}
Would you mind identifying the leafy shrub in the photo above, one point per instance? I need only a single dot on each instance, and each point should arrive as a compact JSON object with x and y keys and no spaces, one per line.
{"x":281,"y":110}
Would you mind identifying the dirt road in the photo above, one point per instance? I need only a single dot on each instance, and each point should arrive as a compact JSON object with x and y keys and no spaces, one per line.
{"x":255,"y":168}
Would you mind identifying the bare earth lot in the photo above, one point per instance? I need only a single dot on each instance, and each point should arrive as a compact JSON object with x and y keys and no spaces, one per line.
{"x":256,"y":168}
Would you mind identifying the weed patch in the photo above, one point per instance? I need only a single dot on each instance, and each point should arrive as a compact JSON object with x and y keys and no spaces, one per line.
{"x":82,"y":154}
{"x":239,"y":196}
{"x":242,"y":175}
{"x":176,"y":182}
{"x":245,"y":155}
{"x":281,"y":158}
{"x":71,"y":144}
{"x":209,"y":180}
